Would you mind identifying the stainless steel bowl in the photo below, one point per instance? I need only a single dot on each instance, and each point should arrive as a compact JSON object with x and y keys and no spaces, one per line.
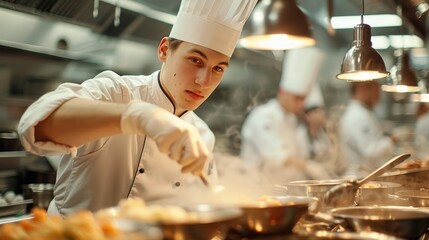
{"x":402,"y":222}
{"x":279,"y":217}
{"x":416,"y":198}
{"x":311,"y":188}
{"x":211,"y":222}
{"x":204,"y":221}
{"x":41,"y":193}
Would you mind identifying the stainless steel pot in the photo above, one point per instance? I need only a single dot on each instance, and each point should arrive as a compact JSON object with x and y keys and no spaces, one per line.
{"x":377,"y":193}
{"x":42,"y":194}
{"x":402,"y":222}
{"x":412,"y":178}
{"x":416,"y":198}
{"x":310,"y":188}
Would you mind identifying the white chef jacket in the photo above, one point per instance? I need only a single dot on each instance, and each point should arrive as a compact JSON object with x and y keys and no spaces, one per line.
{"x":421,"y":135}
{"x":115,"y":167}
{"x":313,"y":148}
{"x":269,"y":139}
{"x":364,"y":145}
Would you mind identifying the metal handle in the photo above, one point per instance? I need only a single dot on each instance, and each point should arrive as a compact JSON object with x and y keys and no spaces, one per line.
{"x":386,"y":167}
{"x":203,"y":178}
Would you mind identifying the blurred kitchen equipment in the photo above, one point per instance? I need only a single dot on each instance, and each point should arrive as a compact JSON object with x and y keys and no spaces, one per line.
{"x":364,"y":235}
{"x":39,"y":171}
{"x":134,"y":230}
{"x":17,"y":208}
{"x":275,"y":214}
{"x":202,"y":221}
{"x":203,"y":178}
{"x":344,"y":194}
{"x":9,"y":141}
{"x":409,"y":178}
{"x":416,"y":198}
{"x":402,"y":222}
{"x":213,"y":222}
{"x":310,"y":188}
{"x":42,"y":194}
{"x":377,"y":193}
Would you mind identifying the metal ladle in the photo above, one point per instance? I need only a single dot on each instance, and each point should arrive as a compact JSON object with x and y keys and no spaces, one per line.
{"x":344,"y":194}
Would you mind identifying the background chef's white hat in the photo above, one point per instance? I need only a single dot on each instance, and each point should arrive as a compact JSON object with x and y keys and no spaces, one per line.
{"x":314,"y":98}
{"x":215,"y":24}
{"x":300,"y":70}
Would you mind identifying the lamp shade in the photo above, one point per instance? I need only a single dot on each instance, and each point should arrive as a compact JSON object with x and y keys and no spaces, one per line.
{"x":402,"y":77}
{"x":277,"y":25}
{"x":362,"y":62}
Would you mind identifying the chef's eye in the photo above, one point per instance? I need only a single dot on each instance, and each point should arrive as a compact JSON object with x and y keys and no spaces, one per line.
{"x":218,"y":69}
{"x":195,"y":60}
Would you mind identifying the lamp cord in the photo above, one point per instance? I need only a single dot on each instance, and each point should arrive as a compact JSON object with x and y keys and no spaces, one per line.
{"x":363,"y":11}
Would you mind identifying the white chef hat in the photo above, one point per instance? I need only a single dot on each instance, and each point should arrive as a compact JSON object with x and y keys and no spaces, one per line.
{"x":215,"y":24}
{"x":314,"y":98}
{"x":300,"y":70}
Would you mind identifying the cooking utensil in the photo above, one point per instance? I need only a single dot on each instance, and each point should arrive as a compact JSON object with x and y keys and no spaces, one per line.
{"x":345,"y":193}
{"x":402,"y":222}
{"x":203,"y":178}
{"x":417,"y":198}
{"x":275,"y":214}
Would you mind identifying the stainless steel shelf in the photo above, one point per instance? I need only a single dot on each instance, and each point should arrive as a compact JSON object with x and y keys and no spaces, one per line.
{"x":12,"y":154}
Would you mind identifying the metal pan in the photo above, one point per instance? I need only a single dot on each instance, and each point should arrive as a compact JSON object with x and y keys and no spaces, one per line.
{"x":416,"y":198}
{"x":402,"y":222}
{"x":281,"y":217}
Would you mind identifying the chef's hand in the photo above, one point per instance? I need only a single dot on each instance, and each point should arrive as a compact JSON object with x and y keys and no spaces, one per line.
{"x":179,"y":139}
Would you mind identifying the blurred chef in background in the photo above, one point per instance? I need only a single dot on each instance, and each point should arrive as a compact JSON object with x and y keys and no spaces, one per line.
{"x":137,"y":136}
{"x":421,"y":131}
{"x":365,"y":145}
{"x":269,"y":132}
{"x":318,"y":145}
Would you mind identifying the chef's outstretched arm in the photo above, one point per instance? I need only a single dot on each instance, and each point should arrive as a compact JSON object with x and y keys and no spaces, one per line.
{"x":79,"y":121}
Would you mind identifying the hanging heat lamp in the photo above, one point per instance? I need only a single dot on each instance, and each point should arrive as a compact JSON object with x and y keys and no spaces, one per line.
{"x":402,"y":78}
{"x":423,"y":94}
{"x":362,"y":62}
{"x":277,"y":25}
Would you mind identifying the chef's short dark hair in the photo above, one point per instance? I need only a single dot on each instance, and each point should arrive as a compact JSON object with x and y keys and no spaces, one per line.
{"x":174,"y":43}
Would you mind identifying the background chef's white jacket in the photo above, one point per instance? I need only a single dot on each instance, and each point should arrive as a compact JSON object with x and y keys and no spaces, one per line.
{"x":268,"y":139}
{"x":421,"y":136}
{"x":115,"y":167}
{"x":364,"y":145}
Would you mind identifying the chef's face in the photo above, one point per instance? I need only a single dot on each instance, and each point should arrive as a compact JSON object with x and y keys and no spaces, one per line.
{"x":291,"y":102}
{"x":190,"y":73}
{"x":371,"y":90}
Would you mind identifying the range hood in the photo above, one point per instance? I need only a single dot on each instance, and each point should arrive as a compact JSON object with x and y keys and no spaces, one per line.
{"x":136,"y":20}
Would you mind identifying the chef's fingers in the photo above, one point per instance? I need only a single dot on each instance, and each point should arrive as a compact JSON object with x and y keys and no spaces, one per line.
{"x":197,"y":164}
{"x":176,"y":151}
{"x":196,"y":167}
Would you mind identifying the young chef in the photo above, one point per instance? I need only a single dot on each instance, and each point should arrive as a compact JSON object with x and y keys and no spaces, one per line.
{"x":124,"y":136}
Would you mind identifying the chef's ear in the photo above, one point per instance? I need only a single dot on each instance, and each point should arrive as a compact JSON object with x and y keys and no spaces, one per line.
{"x":162,"y":49}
